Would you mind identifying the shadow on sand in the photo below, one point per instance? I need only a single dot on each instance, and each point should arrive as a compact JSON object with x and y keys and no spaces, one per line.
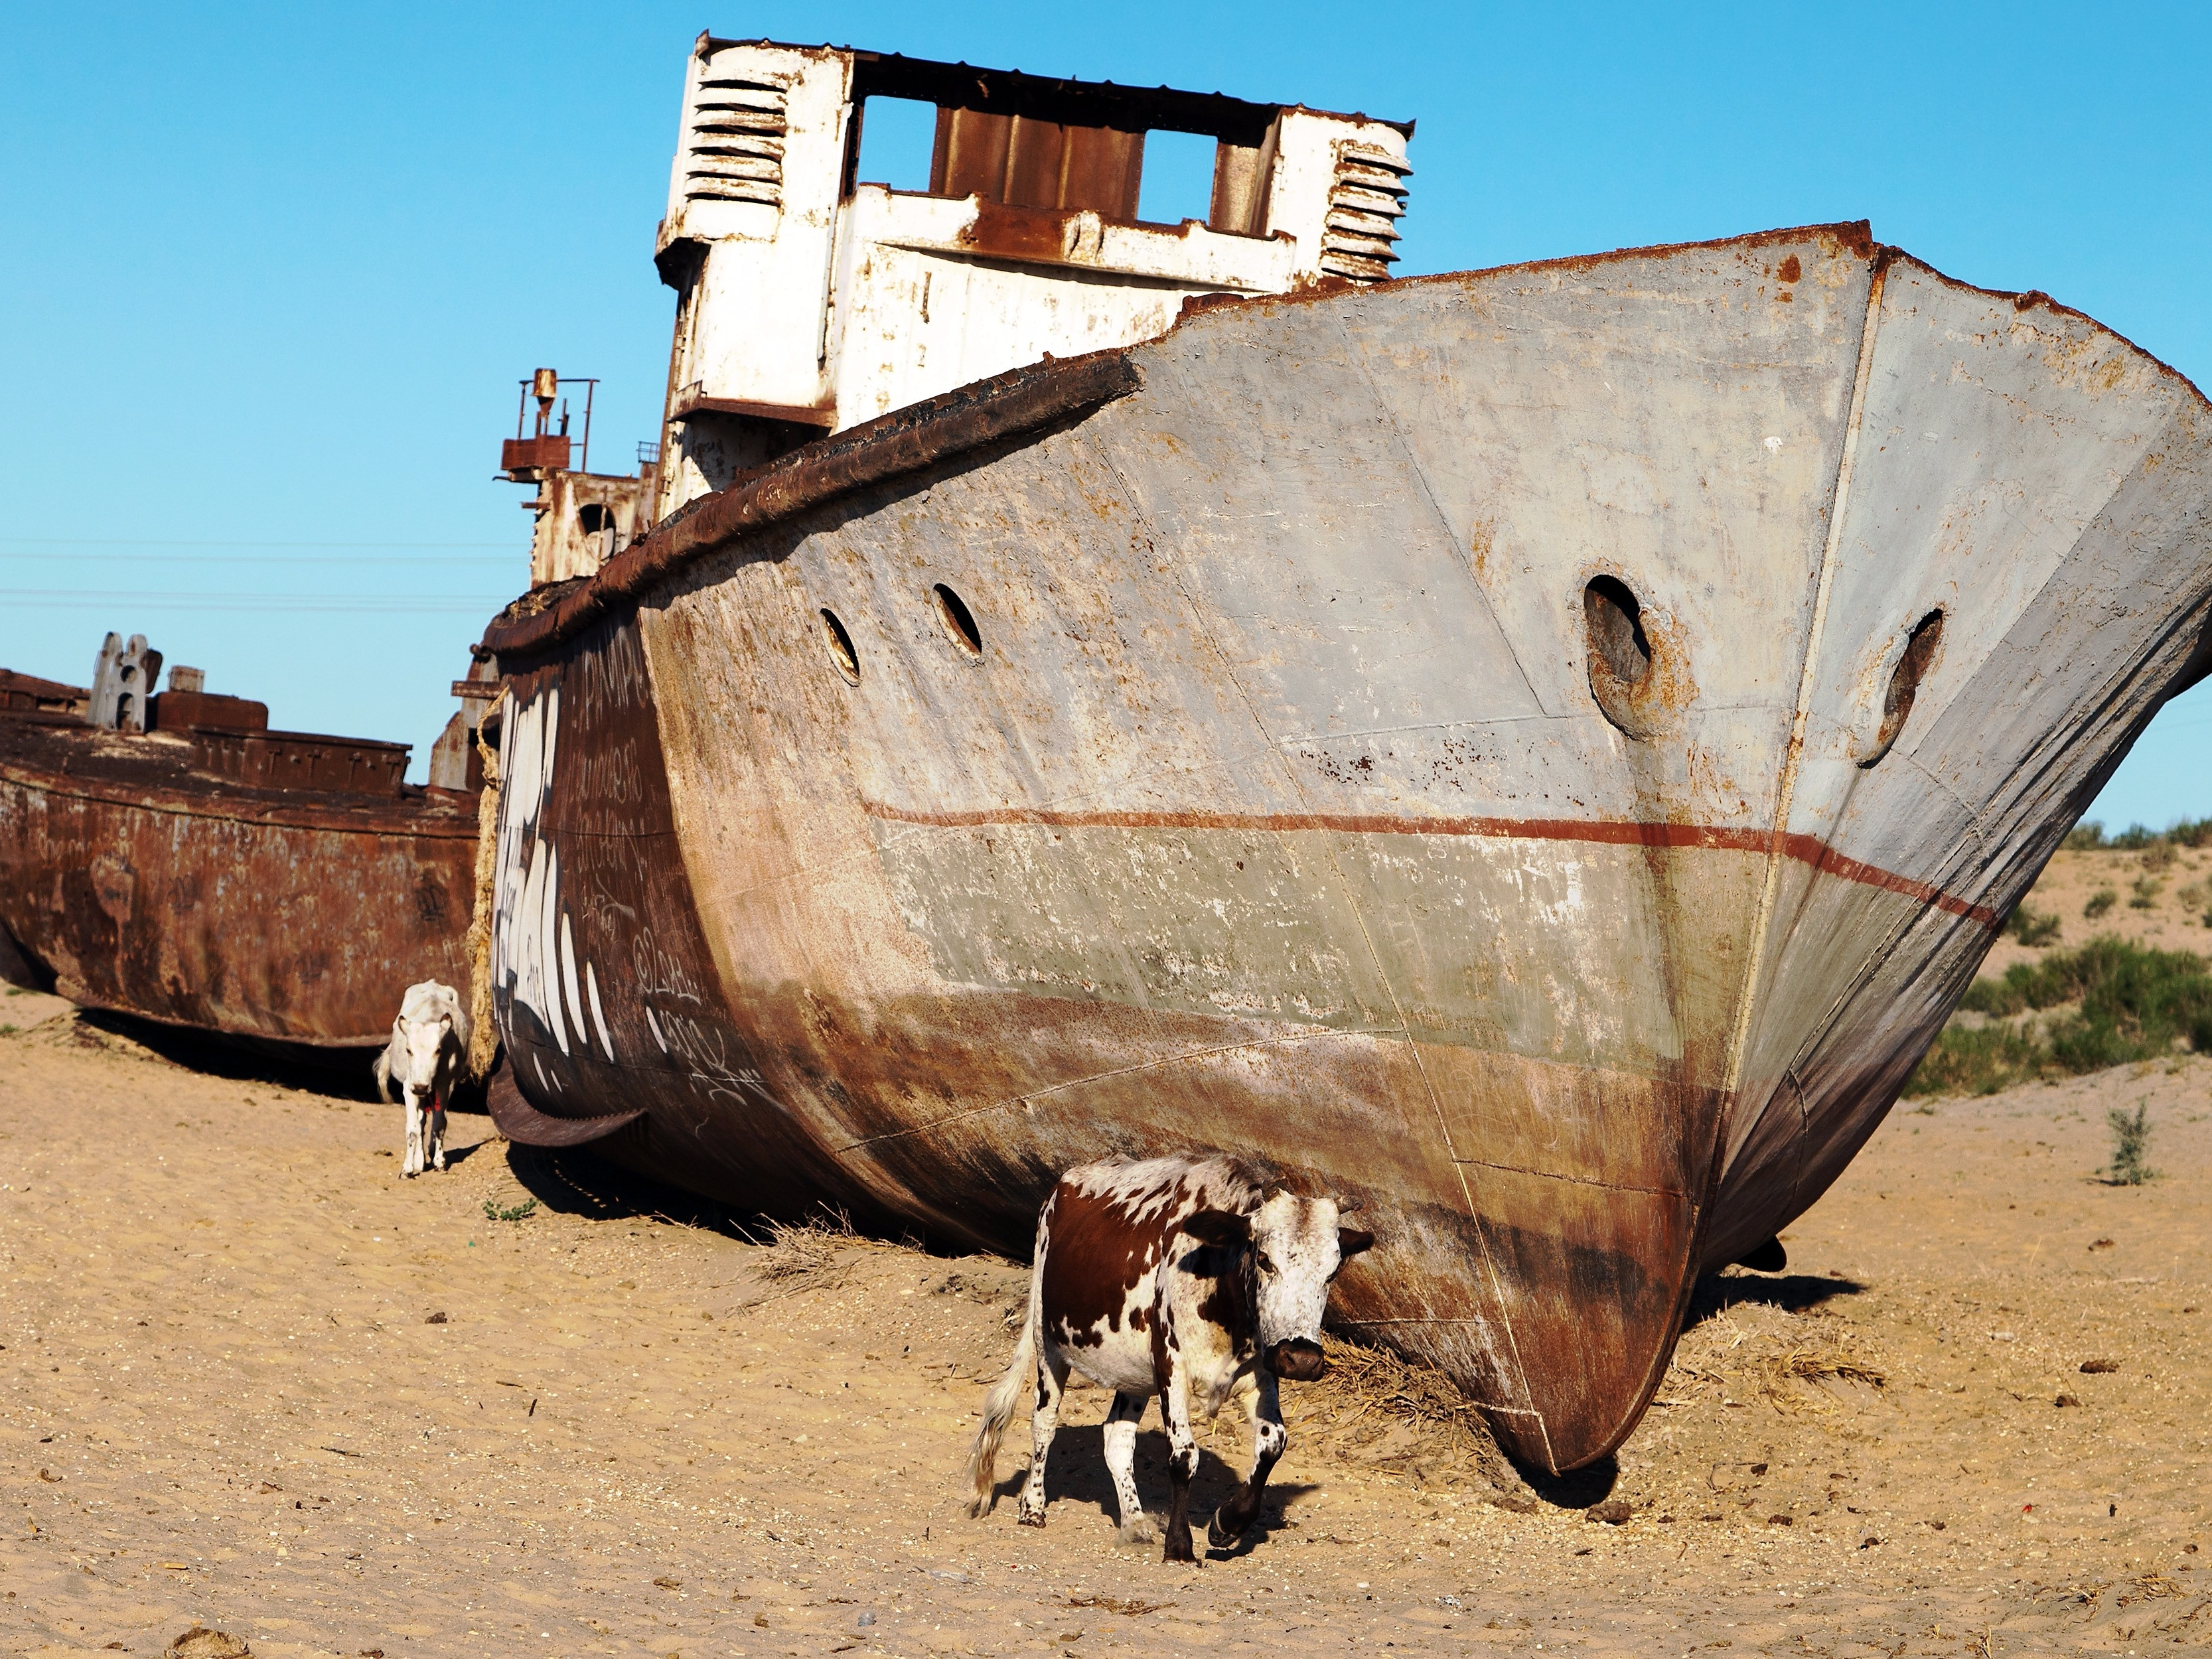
{"x":1791,"y":1293}
{"x":1081,"y":1494}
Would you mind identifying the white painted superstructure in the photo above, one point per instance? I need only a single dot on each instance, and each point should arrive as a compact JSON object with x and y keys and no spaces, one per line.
{"x":811,"y":301}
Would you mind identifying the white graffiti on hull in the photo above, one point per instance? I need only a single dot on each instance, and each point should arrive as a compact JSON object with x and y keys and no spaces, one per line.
{"x":533,"y":950}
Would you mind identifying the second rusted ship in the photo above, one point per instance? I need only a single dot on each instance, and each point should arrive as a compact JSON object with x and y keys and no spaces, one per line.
{"x":164,"y":854}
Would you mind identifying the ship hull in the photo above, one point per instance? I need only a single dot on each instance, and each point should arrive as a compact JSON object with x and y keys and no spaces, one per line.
{"x":132,"y":882}
{"x":1285,"y":808}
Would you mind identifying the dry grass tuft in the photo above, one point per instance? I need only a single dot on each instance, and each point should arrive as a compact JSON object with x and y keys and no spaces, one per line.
{"x":1770,"y":1357}
{"x":1382,"y":1409}
{"x":1831,"y":1362}
{"x":821,"y":1252}
{"x":818,"y":1254}
{"x":2151,"y":1587}
{"x":1127,"y":1609}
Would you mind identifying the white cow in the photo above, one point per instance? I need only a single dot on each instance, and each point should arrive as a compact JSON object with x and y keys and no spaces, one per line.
{"x":426,"y":1054}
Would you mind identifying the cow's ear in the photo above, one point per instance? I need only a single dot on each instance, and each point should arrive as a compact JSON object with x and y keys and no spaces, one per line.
{"x":1217,"y":1227}
{"x":1350,"y":1242}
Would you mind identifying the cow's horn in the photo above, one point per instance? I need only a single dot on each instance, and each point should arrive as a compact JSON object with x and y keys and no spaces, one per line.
{"x":1346,"y":1205}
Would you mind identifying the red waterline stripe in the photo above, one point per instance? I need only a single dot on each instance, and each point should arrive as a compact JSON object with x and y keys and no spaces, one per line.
{"x":1805,"y":849}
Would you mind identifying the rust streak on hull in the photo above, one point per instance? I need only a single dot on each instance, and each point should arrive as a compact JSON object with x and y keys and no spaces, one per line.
{"x":1804,"y":849}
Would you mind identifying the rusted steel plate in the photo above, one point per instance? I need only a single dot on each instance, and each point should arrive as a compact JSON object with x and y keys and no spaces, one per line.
{"x":145,"y":886}
{"x":1295,"y":797}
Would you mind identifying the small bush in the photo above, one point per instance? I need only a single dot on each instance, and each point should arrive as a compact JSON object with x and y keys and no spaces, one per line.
{"x":2032,"y":926}
{"x":2145,"y":893}
{"x":2100,"y":902}
{"x":2160,"y":854}
{"x":2132,"y":1003}
{"x":2091,"y":837}
{"x":1978,"y":1062}
{"x":522,"y":1211}
{"x":2130,"y":1140}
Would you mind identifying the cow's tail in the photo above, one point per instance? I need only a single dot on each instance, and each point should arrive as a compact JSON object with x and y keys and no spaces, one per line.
{"x":999,"y":1408}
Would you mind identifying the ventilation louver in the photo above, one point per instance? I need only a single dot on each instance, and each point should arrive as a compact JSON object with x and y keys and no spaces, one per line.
{"x":1364,"y":205}
{"x":736,"y":152}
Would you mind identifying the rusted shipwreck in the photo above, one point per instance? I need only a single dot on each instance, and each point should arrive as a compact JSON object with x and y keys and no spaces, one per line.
{"x":164,"y":854}
{"x":1540,"y":749}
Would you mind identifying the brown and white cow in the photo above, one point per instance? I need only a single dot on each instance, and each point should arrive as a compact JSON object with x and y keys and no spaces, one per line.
{"x":1181,"y":1278}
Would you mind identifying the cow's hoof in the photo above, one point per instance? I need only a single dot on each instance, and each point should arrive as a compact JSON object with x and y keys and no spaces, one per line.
{"x":1031,"y":1517}
{"x":1178,"y":1548}
{"x":1218,"y":1536}
{"x":1139,"y":1531}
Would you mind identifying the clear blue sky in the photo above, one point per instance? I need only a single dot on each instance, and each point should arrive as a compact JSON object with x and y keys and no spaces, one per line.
{"x":269,"y":275}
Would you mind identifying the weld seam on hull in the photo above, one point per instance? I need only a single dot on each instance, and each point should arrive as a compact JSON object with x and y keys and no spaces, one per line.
{"x":1578,"y":1179}
{"x":1805,"y":849}
{"x":1794,"y":755}
{"x":1386,"y":1033}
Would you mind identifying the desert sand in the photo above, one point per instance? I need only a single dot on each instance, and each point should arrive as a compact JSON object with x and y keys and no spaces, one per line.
{"x":252,"y":1379}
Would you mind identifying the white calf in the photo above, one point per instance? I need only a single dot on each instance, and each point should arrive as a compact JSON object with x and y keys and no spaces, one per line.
{"x":428,"y":1048}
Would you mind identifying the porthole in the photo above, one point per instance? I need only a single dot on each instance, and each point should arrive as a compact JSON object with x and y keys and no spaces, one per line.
{"x":1615,"y":622}
{"x":1619,"y":653}
{"x":1904,"y":682}
{"x":960,"y":622}
{"x":841,"y":654}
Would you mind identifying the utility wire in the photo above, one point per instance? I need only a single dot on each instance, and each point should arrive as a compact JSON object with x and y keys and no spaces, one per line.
{"x":157,"y":541}
{"x":379,"y":603}
{"x":195,"y":559}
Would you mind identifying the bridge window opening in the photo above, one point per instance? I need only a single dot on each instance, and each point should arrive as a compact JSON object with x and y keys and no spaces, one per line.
{"x":842,"y":657}
{"x":1615,"y":622}
{"x":1178,"y":178}
{"x":898,"y":136}
{"x":959,"y":623}
{"x":1904,"y":682}
{"x":1026,"y":161}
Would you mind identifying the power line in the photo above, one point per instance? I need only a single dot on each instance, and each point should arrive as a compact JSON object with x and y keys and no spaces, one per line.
{"x":157,"y":541}
{"x":516,"y":553}
{"x":376,"y":604}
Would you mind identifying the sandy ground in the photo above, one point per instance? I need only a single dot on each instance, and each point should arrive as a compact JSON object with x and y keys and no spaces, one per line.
{"x":227,"y":1396}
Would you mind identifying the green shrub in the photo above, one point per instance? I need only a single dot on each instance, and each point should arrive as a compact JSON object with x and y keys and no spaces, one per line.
{"x":2032,"y":926}
{"x":2133,"y":1004}
{"x":2091,"y":837}
{"x":2145,"y":893}
{"x":1978,"y":1062}
{"x":2130,"y":1140}
{"x":2100,"y":902}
